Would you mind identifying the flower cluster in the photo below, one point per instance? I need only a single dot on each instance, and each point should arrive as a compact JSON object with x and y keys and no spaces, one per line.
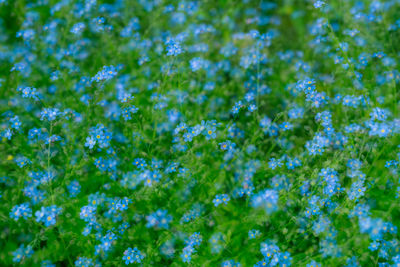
{"x":132,"y":256}
{"x":47,"y":215}
{"x":191,"y":243}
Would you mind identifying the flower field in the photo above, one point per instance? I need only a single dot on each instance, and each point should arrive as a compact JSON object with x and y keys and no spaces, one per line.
{"x":199,"y":133}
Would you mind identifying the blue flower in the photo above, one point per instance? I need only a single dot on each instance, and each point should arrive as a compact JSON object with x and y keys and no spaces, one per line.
{"x":132,"y":256}
{"x":7,"y":134}
{"x":275,"y":163}
{"x":159,"y":219}
{"x":23,"y":210}
{"x":83,"y":262}
{"x":90,"y":142}
{"x":222,"y":198}
{"x":107,"y":73}
{"x":268,"y":199}
{"x":22,"y":161}
{"x":22,"y":252}
{"x":210,"y":132}
{"x":50,"y":114}
{"x":74,"y":188}
{"x":319,"y":4}
{"x":254,"y":233}
{"x":140,"y":163}
{"x":173,"y":47}
{"x":78,"y":28}
{"x":193,"y":241}
{"x":15,"y":122}
{"x":47,"y":215}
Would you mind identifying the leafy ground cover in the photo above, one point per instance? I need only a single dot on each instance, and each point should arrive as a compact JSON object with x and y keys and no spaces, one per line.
{"x":199,"y":133}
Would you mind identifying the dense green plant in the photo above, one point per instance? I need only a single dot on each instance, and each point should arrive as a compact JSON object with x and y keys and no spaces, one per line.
{"x":200,"y":133}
